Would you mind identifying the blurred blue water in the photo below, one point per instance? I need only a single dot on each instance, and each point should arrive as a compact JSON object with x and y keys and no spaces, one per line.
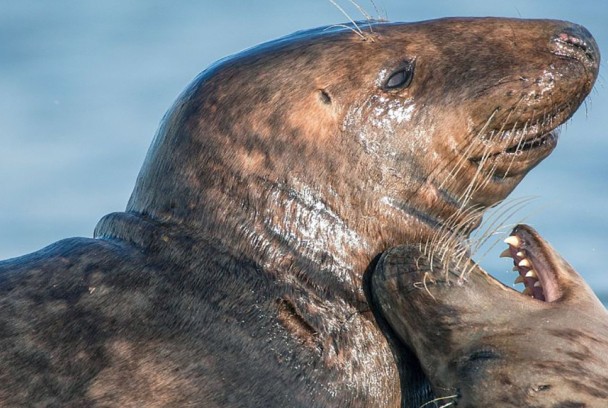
{"x":83,"y":86}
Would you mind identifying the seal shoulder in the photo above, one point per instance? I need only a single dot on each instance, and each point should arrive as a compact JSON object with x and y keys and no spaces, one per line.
{"x":129,"y":324}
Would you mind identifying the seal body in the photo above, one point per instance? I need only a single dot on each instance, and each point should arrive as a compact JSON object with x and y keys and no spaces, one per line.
{"x":235,"y":278}
{"x":483,"y":344}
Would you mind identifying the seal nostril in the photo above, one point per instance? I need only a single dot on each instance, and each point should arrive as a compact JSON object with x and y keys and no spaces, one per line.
{"x":577,"y":43}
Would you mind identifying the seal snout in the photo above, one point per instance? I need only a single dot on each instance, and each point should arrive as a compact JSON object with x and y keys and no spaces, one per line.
{"x":576,"y":42}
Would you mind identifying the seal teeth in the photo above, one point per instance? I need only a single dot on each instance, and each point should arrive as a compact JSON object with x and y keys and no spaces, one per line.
{"x":513,"y":241}
{"x":506,"y":253}
{"x":524,"y":263}
{"x":523,"y":266}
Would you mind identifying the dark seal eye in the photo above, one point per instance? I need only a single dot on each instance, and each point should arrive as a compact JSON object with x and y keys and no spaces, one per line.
{"x":401,"y":78}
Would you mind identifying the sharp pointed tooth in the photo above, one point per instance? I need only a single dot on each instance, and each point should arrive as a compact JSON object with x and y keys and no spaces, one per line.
{"x":524,"y":262}
{"x":506,"y":253}
{"x":520,"y":254}
{"x":537,"y":284}
{"x":527,"y":291}
{"x":531,"y":274}
{"x":519,"y":279}
{"x":513,"y":241}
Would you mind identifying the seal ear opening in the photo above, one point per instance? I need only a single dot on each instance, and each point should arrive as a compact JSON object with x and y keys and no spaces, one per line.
{"x":416,"y":388}
{"x":324,"y":97}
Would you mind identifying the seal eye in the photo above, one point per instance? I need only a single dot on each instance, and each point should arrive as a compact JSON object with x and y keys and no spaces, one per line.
{"x":401,"y":78}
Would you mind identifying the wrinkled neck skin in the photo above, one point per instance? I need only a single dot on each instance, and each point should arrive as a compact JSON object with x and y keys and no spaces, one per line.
{"x":322,"y":206}
{"x":306,"y":231}
{"x":483,"y":344}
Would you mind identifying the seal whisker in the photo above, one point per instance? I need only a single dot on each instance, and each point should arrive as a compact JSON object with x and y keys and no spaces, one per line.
{"x":449,"y":237}
{"x":494,"y":226}
{"x":518,"y":147}
{"x":363,"y":37}
{"x":490,"y":173}
{"x":356,"y":28}
{"x":448,"y":180}
{"x":457,"y":246}
{"x":465,"y":154}
{"x":514,"y":135}
{"x":456,"y":223}
{"x":435,"y":400}
{"x":426,"y":288}
{"x":365,"y":14}
{"x":497,"y":220}
{"x":381,"y":14}
{"x":448,"y":242}
{"x":489,"y":176}
{"x":500,"y":131}
{"x":466,"y":195}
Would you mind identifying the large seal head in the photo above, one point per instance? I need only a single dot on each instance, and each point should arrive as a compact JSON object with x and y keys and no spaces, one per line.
{"x":330,"y":147}
{"x":275,"y":179}
{"x":483,"y":344}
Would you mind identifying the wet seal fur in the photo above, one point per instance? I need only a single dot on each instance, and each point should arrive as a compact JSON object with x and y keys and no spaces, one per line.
{"x":236,"y":276}
{"x":483,"y":344}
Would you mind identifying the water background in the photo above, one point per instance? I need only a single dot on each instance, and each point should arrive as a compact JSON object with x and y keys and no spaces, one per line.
{"x":83,"y":86}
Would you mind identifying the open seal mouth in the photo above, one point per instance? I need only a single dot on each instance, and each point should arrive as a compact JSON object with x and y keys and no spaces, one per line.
{"x":535,"y":263}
